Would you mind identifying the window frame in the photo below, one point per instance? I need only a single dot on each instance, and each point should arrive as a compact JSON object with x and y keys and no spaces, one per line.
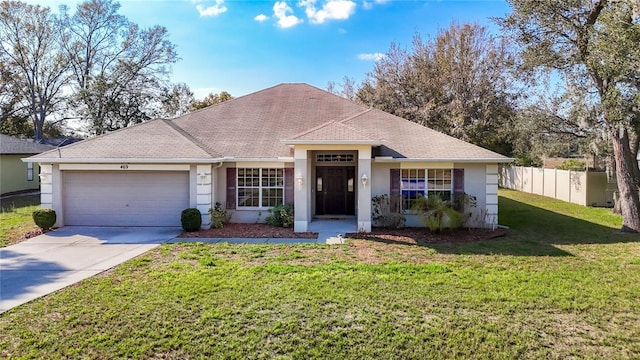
{"x":423,"y":186}
{"x":266,"y":177}
{"x":30,"y":174}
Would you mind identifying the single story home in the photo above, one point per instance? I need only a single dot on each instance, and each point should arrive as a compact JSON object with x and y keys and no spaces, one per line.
{"x":291,"y":143}
{"x":15,"y":175}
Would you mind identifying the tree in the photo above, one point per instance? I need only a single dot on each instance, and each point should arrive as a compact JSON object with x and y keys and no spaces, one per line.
{"x":117,"y":67}
{"x":175,"y":100}
{"x":458,"y":83}
{"x":29,"y":39}
{"x":347,"y":89}
{"x":211,"y":99}
{"x":593,"y":46}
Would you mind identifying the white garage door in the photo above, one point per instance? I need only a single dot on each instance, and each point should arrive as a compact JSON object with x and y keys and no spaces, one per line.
{"x":127,"y":198}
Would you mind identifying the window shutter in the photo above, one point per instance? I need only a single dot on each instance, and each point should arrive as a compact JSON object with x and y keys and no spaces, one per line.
{"x":288,"y":186}
{"x":231,"y":188}
{"x":458,"y":181}
{"x":394,"y":190}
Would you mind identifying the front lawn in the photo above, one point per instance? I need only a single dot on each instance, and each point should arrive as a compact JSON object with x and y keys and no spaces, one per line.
{"x":562,"y":284}
{"x":15,"y":218}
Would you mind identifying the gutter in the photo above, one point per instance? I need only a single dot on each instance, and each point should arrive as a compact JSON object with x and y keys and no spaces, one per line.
{"x":386,"y":159}
{"x":125,"y":160}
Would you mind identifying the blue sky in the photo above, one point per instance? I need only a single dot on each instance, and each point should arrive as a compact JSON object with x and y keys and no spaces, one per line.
{"x":245,"y":46}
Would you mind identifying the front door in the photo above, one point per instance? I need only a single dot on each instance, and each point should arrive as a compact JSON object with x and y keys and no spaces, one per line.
{"x":335,"y":192}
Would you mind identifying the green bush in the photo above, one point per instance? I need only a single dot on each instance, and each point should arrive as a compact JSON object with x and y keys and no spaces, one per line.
{"x":382,"y":214}
{"x":219,"y":216}
{"x":191,"y":219}
{"x":437,"y":213}
{"x":280,"y":216}
{"x":44,"y":218}
{"x":573,"y":165}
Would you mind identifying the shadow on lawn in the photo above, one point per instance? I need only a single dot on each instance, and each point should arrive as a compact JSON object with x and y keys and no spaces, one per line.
{"x":533,"y":231}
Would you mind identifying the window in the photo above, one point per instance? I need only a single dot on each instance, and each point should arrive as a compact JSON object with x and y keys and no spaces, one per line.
{"x":259,"y":187}
{"x":29,"y":171}
{"x":439,"y":183}
{"x":421,"y":182}
{"x":335,"y":158}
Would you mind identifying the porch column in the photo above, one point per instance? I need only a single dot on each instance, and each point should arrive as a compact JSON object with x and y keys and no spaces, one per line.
{"x":203,"y":193}
{"x":301,"y":201}
{"x":492,"y":195}
{"x":51,"y":190}
{"x":364,"y":190}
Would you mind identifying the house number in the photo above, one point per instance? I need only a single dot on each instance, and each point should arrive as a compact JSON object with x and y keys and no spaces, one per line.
{"x":124,"y":166}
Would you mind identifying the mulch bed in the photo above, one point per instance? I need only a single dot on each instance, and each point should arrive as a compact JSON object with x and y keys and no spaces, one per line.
{"x":404,"y":235}
{"x":249,"y":231}
{"x":424,"y":236}
{"x":34,"y":233}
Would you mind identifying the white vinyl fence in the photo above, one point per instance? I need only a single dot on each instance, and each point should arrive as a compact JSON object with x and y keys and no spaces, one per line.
{"x":589,"y":188}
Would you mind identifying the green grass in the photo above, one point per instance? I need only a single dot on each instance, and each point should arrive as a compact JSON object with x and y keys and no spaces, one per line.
{"x":564,"y":283}
{"x":15,"y":217}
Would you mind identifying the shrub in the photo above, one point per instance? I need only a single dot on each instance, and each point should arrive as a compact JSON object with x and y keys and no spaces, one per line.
{"x":280,"y":216}
{"x":574,"y":165}
{"x":436,"y":213}
{"x":44,"y":218}
{"x":191,"y":219}
{"x":383,"y":216}
{"x":219,"y":216}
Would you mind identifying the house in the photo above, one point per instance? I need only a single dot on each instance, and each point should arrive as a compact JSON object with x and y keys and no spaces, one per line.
{"x":15,"y":175}
{"x":291,"y":143}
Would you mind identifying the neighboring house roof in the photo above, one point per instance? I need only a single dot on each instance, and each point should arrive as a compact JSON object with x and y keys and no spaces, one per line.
{"x":12,"y":145}
{"x":266,"y":123}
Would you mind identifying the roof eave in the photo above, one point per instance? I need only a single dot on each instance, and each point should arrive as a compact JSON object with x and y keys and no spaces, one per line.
{"x":125,"y":160}
{"x":333,"y":142}
{"x":458,"y":160}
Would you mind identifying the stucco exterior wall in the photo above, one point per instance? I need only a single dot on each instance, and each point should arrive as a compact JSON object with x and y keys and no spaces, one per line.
{"x":13,"y":174}
{"x":480,"y":181}
{"x":220,"y":191}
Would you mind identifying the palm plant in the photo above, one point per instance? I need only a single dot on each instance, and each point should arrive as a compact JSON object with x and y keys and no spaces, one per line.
{"x":436,"y":213}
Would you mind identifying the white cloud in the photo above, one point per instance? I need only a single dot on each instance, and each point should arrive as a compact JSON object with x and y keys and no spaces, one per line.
{"x":261,"y":18}
{"x":371,"y":56}
{"x":280,"y":10}
{"x":331,"y":10}
{"x":213,"y":10}
{"x":369,"y":5}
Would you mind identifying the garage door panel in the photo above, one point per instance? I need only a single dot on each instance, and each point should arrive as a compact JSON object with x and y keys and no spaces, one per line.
{"x":125,"y":198}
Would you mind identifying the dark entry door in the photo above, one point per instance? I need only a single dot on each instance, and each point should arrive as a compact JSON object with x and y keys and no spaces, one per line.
{"x":335,"y":190}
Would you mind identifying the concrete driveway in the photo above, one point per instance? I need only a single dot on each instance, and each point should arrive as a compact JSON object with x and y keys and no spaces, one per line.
{"x":49,"y":262}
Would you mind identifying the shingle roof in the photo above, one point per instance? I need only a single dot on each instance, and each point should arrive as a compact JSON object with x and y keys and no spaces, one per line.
{"x":156,"y":139}
{"x":12,"y":145}
{"x":333,"y":131}
{"x":264,"y":123}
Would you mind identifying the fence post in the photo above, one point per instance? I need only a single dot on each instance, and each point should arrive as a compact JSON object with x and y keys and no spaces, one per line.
{"x":570,"y":187}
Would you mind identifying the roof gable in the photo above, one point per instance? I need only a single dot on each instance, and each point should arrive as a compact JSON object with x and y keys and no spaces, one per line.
{"x":333,"y":132}
{"x":156,"y":139}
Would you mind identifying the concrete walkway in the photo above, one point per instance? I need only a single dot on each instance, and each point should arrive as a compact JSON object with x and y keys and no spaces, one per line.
{"x":52,"y":261}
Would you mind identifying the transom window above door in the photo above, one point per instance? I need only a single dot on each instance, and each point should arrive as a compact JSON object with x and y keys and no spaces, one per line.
{"x":335,"y":158}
